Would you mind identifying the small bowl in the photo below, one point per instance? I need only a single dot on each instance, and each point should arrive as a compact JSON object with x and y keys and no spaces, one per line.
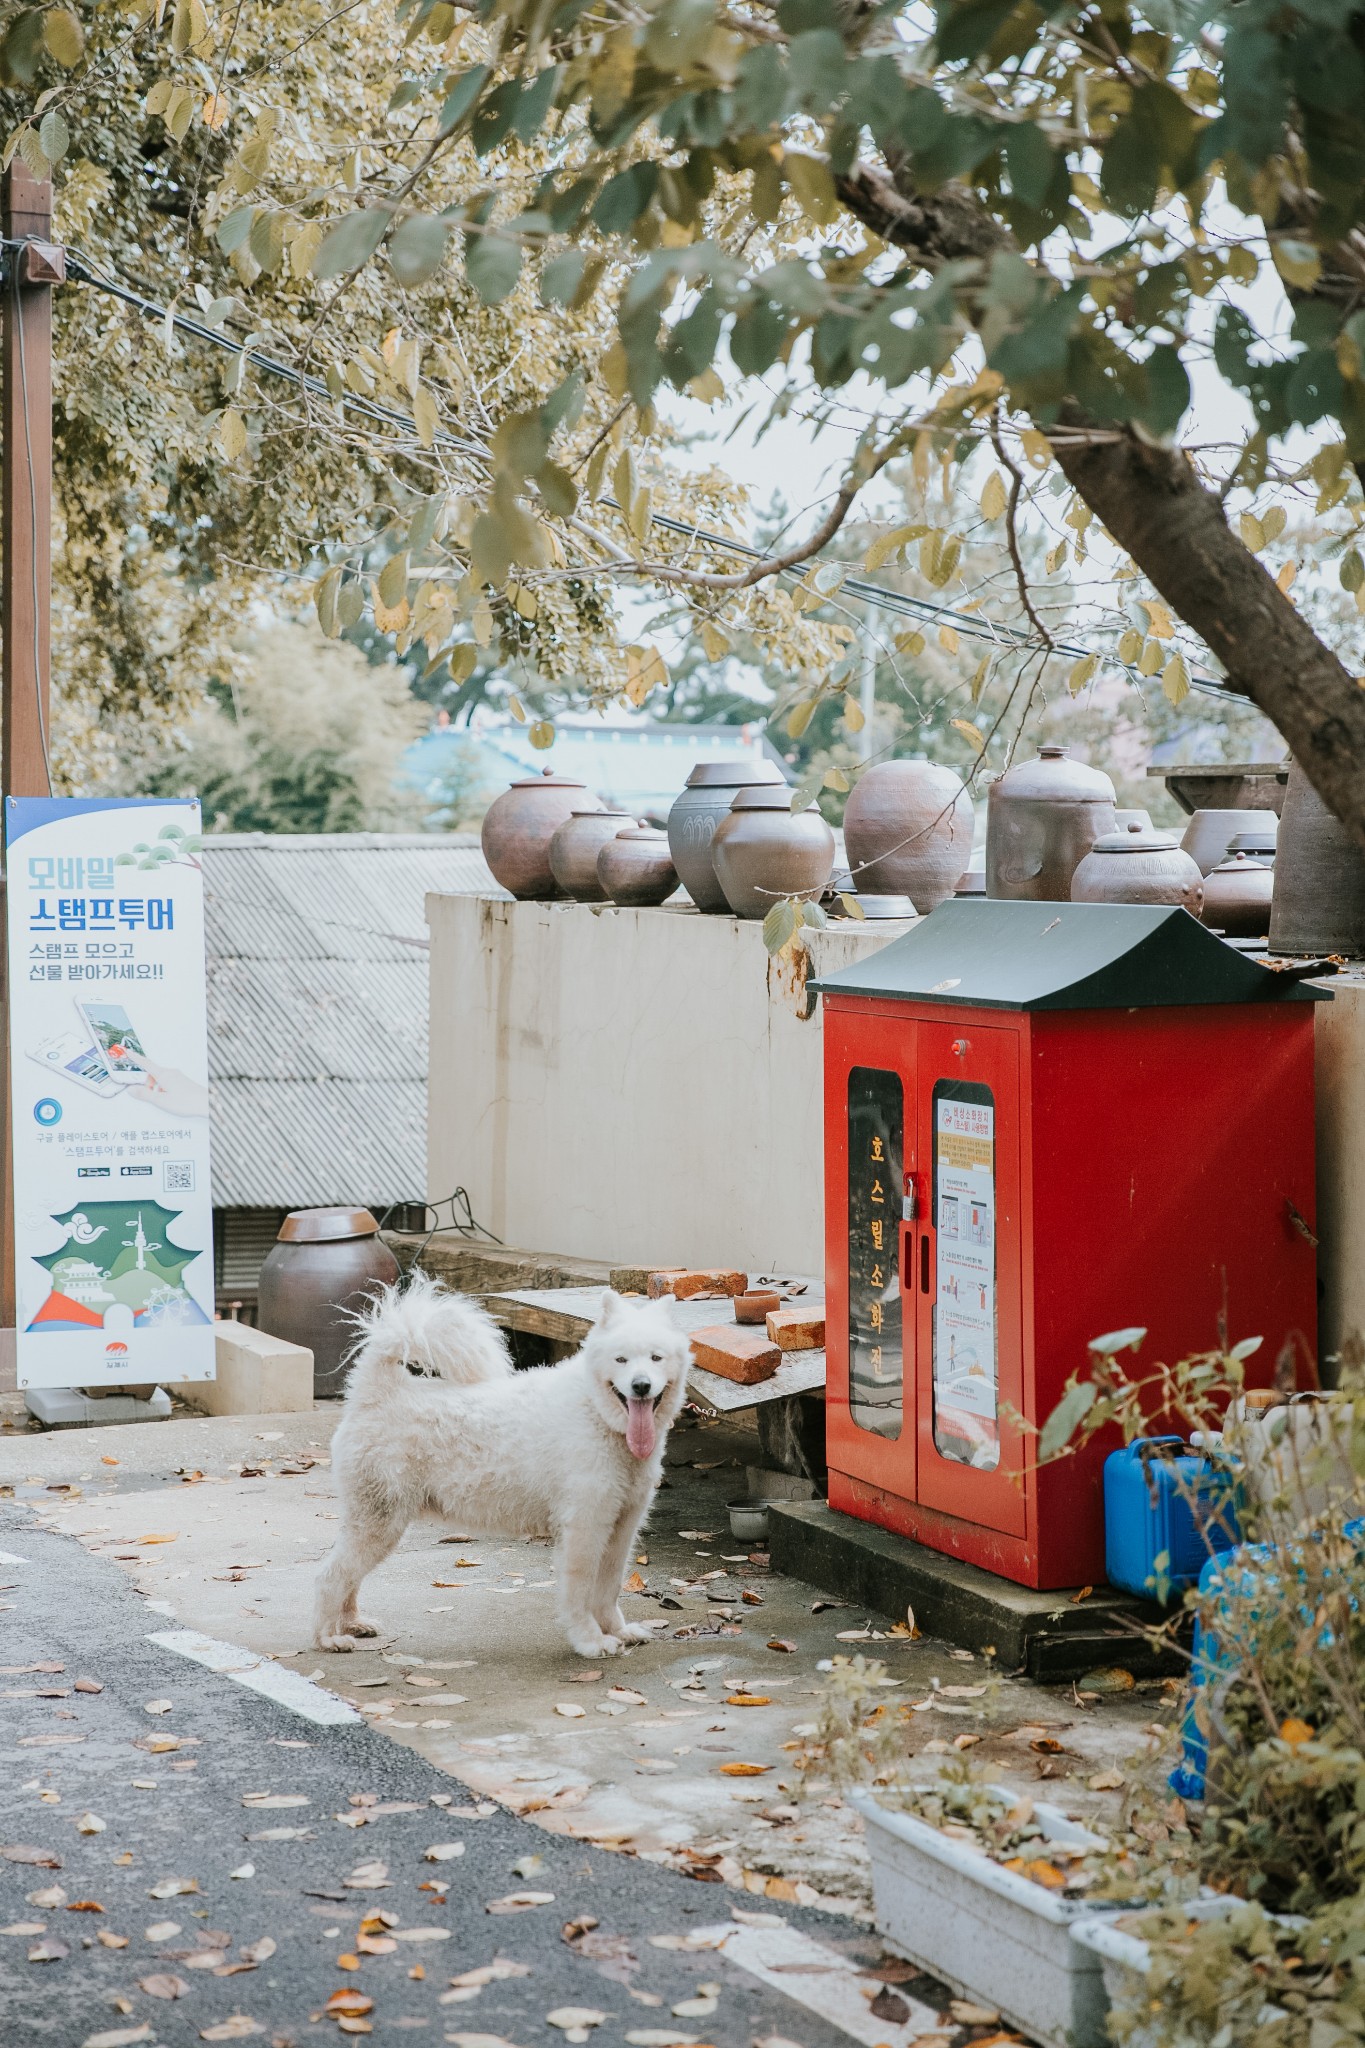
{"x":757,"y":1305}
{"x":748,"y":1519}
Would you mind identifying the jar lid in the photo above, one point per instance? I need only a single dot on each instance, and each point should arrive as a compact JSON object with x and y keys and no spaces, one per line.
{"x":763,"y":796}
{"x":643,"y":832}
{"x":1261,"y":839}
{"x":1055,"y":777}
{"x":1135,"y":839}
{"x":547,"y":779}
{"x":734,"y":774}
{"x":323,"y":1226}
{"x":602,"y":811}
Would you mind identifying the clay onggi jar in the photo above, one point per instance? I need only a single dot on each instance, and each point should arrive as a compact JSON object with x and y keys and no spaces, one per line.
{"x":575,"y":846}
{"x":908,"y":831}
{"x":636,"y":868}
{"x":519,"y":825}
{"x":711,"y":789}
{"x":1042,"y":818}
{"x":764,"y":851}
{"x":325,"y":1264}
{"x":1138,"y":866}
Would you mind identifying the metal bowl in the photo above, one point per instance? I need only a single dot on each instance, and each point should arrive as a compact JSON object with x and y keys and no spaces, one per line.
{"x":748,"y":1519}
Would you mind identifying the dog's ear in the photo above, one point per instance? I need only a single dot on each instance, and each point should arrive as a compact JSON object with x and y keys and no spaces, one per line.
{"x":609,"y":1308}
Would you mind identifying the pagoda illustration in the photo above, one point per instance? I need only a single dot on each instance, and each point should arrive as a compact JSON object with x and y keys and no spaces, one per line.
{"x":117,"y":1255}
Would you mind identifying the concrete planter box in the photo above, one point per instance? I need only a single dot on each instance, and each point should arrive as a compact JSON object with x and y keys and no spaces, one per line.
{"x":995,"y":1937}
{"x":1125,"y":1959}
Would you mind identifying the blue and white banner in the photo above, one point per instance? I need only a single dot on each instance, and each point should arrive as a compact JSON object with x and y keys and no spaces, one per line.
{"x":113,"y":1250}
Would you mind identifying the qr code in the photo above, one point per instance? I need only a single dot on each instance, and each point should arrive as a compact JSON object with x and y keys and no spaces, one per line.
{"x":179,"y":1176}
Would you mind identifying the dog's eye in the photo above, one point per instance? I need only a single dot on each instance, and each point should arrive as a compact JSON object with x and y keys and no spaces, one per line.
{"x":655,"y":1358}
{"x":621,"y":1361}
{"x":415,"y":1370}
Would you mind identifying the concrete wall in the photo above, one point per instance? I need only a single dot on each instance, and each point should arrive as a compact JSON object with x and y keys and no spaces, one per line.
{"x":639,"y":1086}
{"x":1340,"y":1041}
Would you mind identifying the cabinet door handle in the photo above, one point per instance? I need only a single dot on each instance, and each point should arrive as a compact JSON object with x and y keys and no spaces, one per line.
{"x":924,"y":1262}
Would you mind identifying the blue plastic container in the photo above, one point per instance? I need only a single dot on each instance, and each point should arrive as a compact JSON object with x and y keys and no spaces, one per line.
{"x":1163,"y":1500}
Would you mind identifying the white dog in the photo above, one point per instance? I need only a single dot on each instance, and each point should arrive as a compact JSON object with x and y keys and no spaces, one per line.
{"x":437,"y":1422}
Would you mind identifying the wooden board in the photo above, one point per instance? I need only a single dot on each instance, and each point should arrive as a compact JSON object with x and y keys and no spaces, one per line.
{"x":567,"y":1313}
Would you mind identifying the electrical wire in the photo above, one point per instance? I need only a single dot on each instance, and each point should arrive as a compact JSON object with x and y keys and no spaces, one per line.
{"x":896,"y":602}
{"x":18,"y":319}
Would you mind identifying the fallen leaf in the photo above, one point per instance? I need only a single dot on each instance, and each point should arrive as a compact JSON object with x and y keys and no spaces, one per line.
{"x":162,"y":1930}
{"x":350,"y":2002}
{"x":1107,"y":1781}
{"x":743,"y":1770}
{"x":634,"y":1584}
{"x":38,"y":1927}
{"x":570,"y":1710}
{"x":87,"y":1685}
{"x":1047,"y":1745}
{"x":158,"y":1707}
{"x":368,"y":1877}
{"x":373,"y":1945}
{"x":169,"y":1537}
{"x":260,"y":1951}
{"x":173,"y":1887}
{"x":105,"y":1460}
{"x":519,"y":1902}
{"x":781,"y":1643}
{"x":585,"y":1677}
{"x":259,"y":1802}
{"x":237,"y":2028}
{"x":90,"y":1824}
{"x":1295,"y":1732}
{"x":348,"y":1962}
{"x":23,"y":1852}
{"x":969,"y":2015}
{"x":421,"y":1934}
{"x":162,"y":1984}
{"x":694,"y":2008}
{"x":575,"y":2020}
{"x":85,"y":1906}
{"x":108,"y":1940}
{"x":480,"y":2041}
{"x":49,"y":1950}
{"x":243,"y":1870}
{"x":666,"y":2037}
{"x":443,"y":1852}
{"x":571,"y":1931}
{"x":118,"y":2037}
{"x":627,"y":1697}
{"x":748,"y":1699}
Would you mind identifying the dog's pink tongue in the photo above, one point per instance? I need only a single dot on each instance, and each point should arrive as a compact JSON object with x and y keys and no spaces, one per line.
{"x":639,"y":1427}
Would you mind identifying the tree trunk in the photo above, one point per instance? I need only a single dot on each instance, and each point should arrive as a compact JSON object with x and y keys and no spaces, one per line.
{"x":1151,"y":500}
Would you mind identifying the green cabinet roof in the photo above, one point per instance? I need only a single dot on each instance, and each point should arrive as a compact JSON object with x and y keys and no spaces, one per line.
{"x":1064,"y":956}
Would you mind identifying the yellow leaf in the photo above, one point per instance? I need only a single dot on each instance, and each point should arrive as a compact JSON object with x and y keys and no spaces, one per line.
{"x":1151,"y":658}
{"x":978,"y":681}
{"x":1130,"y":645}
{"x":1175,"y":679}
{"x":970,"y":732}
{"x":425,"y":415}
{"x":1272,"y":522}
{"x":232,"y":434}
{"x":542,"y":734}
{"x":1054,"y":558}
{"x":1298,"y":263}
{"x":393,"y":581}
{"x":853,"y":907}
{"x":1036,"y":447}
{"x":1294,"y":1732}
{"x":390,"y":618}
{"x":1081,"y":673}
{"x":994,"y":498}
{"x":888,"y":544}
{"x":799,"y":717}
{"x":748,"y":1699}
{"x":744,"y":1770}
{"x":214,"y":112}
{"x":1158,"y":619}
{"x":1252,"y":531}
{"x":483,"y":621}
{"x":166,"y":1538}
{"x":812,"y":186}
{"x":948,"y":640}
{"x":1288,"y":571}
{"x":853,"y":714}
{"x":835,"y":778}
{"x":517,"y":708}
{"x":911,"y":643}
{"x":708,"y":387}
{"x":64,"y":36}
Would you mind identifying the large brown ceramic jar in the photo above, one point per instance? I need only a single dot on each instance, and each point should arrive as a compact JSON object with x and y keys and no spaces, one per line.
{"x":711,"y":789}
{"x":636,"y":867}
{"x":1239,"y":892}
{"x":764,"y":851}
{"x":908,"y":831}
{"x":325,"y":1264}
{"x":1138,"y":867}
{"x":1042,"y":818}
{"x":1319,"y":903}
{"x":575,"y":846}
{"x":519,"y":825}
{"x":1209,"y":834}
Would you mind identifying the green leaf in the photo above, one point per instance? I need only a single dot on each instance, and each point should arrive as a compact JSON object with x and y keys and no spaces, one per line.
{"x":417,"y":249}
{"x":1066,"y":1418}
{"x":351,"y":242}
{"x":1247,"y":1346}
{"x":54,"y":137}
{"x":1030,"y":161}
{"x":493,"y":264}
{"x":558,"y":489}
{"x":779,"y":925}
{"x":233,"y":231}
{"x":461,"y":97}
{"x":1117,"y":1340}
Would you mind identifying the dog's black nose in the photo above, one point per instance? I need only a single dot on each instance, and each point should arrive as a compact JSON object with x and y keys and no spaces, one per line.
{"x":641,"y":1387}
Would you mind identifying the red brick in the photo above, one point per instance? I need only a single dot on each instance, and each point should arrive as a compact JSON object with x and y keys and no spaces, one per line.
{"x":736,"y":1354}
{"x":753,"y":1308}
{"x":798,"y":1329}
{"x":682,"y":1281}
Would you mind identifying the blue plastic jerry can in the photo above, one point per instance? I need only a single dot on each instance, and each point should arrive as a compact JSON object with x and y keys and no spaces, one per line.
{"x":1167,"y":1511}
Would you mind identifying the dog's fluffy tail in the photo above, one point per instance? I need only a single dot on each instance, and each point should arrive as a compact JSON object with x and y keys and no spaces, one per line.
{"x":421,"y":1323}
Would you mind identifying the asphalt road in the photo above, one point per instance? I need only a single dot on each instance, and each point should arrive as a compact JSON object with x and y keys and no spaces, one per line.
{"x":177,"y":1814}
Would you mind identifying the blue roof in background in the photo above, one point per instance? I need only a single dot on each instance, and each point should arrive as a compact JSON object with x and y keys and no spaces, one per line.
{"x":642,"y":767}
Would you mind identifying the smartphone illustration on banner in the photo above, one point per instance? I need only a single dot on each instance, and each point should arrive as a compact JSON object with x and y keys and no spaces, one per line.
{"x":112,"y":1030}
{"x":73,"y":1056}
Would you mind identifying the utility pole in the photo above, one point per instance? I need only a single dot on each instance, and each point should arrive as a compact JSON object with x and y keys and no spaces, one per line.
{"x":32,"y":266}
{"x":867,"y":692}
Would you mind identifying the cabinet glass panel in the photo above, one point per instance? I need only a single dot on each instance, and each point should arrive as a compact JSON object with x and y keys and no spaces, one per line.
{"x":876,"y":1366}
{"x":966,"y":1341}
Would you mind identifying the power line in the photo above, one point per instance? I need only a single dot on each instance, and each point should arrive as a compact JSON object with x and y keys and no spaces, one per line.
{"x":900,"y":603}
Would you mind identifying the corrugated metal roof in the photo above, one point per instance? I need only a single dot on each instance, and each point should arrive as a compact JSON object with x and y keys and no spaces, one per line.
{"x":317,"y":1011}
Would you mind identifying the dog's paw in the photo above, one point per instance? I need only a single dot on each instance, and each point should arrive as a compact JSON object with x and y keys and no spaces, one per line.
{"x":359,"y":1627}
{"x":587,"y":1639}
{"x":336,"y":1642}
{"x":635,"y":1632}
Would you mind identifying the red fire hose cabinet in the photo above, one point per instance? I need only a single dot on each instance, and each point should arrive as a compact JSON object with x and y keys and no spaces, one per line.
{"x":1044,"y":1122}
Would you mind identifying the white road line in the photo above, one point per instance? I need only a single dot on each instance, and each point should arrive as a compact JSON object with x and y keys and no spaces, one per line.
{"x":260,"y":1674}
{"x":8,"y":1557}
{"x":824,"y":1982}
